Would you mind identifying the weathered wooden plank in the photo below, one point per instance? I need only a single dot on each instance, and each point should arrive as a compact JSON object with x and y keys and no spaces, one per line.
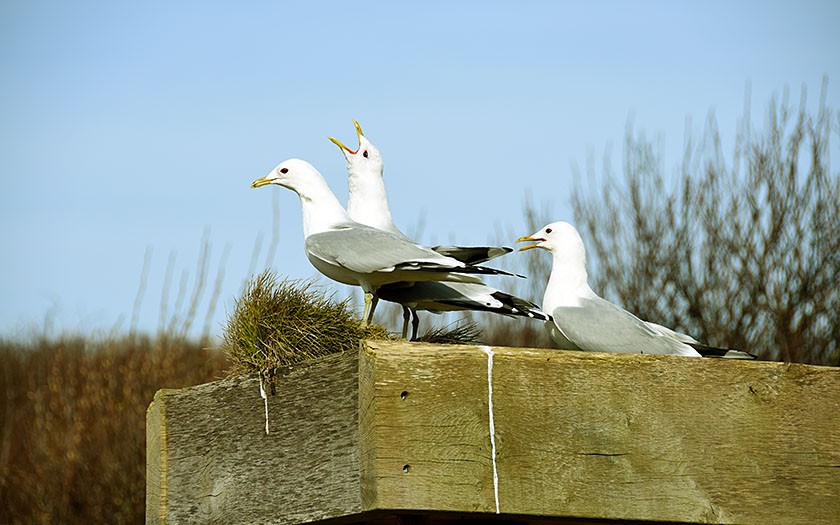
{"x":667,"y":438}
{"x":156,"y":482}
{"x":217,"y":465}
{"x":425,"y":425}
{"x":401,"y":432}
{"x":606,"y":436}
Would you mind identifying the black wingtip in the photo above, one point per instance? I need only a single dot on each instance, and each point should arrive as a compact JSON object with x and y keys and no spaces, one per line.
{"x":472,"y":254}
{"x":721,"y":353}
{"x":521,"y":307}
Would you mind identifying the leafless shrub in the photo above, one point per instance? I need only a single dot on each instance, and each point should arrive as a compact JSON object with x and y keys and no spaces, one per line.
{"x":744,"y":254}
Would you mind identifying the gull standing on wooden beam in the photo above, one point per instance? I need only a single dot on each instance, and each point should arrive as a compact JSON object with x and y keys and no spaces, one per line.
{"x":355,"y":254}
{"x":581,"y":320}
{"x":368,"y":204}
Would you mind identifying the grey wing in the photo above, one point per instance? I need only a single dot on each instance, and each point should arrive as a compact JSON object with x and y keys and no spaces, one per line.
{"x":366,"y":250}
{"x":703,"y":349}
{"x":665,"y":331}
{"x":598,"y":325}
{"x":472,"y":254}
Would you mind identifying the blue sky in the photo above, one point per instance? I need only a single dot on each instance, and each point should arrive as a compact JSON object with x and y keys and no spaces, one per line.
{"x":133,"y":129}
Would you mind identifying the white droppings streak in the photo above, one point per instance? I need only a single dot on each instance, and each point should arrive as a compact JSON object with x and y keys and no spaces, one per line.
{"x":489,"y":352}
{"x":265,"y":399}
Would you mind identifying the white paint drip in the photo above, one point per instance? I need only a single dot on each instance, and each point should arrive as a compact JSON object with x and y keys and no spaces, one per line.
{"x":265,"y":398}
{"x":489,"y":352}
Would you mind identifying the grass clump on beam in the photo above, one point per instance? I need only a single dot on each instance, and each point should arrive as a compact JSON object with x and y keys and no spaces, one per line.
{"x":278,"y":323}
{"x":467,"y":333}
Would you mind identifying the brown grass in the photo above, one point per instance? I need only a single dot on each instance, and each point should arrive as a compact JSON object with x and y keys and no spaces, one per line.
{"x":72,"y":447}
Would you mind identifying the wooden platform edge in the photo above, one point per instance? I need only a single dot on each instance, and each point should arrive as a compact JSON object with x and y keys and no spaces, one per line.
{"x":581,"y":435}
{"x":156,"y":462}
{"x":404,"y":429}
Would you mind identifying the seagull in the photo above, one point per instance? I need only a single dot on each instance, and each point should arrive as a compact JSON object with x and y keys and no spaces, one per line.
{"x":355,"y":254}
{"x":581,"y":320}
{"x":368,"y":204}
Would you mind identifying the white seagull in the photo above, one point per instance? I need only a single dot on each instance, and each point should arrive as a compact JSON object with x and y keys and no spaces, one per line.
{"x":584,"y":321}
{"x":367,"y":201}
{"x":368,"y":204}
{"x":355,"y":254}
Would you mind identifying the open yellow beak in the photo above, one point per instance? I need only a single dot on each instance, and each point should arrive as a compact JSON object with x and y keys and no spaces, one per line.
{"x":261,"y":182}
{"x":528,"y":238}
{"x":340,"y":145}
{"x":359,"y":134}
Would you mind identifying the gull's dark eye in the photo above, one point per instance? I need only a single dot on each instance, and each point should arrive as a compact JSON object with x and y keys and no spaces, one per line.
{"x":284,"y":170}
{"x":548,"y":230}
{"x":365,"y":154}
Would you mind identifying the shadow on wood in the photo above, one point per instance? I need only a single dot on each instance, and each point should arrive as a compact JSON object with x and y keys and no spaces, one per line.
{"x":401,"y":433}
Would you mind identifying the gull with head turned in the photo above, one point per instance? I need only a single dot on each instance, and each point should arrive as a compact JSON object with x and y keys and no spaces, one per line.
{"x":368,"y":204}
{"x":355,"y":254}
{"x":581,"y":320}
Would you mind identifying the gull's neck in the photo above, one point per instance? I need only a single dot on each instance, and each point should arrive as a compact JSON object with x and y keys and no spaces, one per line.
{"x":367,"y":202}
{"x":568,"y":281}
{"x":321,"y":209}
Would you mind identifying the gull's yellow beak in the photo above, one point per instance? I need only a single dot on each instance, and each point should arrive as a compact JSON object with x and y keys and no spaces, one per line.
{"x":261,"y":182}
{"x":528,"y":238}
{"x":341,"y":145}
{"x":359,"y":133}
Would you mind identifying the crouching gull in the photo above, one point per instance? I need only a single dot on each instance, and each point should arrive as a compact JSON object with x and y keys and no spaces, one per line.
{"x":584,"y":321}
{"x":368,"y":204}
{"x":355,"y":254}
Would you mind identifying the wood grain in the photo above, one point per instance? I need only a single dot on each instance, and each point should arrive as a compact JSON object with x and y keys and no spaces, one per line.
{"x":426,"y":421}
{"x":217,"y":465}
{"x":668,"y":438}
{"x":608,"y":436}
{"x":399,"y":433}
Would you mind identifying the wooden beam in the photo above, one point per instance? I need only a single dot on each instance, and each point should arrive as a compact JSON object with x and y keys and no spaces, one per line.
{"x":210,"y":460}
{"x":401,"y":431}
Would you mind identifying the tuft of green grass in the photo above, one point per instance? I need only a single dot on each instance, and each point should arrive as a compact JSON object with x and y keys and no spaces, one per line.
{"x":277,"y":323}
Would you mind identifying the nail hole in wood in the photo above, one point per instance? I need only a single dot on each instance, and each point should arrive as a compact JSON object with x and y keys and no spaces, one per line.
{"x":406,"y":468}
{"x":403,"y":395}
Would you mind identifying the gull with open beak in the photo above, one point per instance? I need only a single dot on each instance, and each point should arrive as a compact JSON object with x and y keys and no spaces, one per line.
{"x":581,"y":320}
{"x":368,"y":204}
{"x":367,"y":200}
